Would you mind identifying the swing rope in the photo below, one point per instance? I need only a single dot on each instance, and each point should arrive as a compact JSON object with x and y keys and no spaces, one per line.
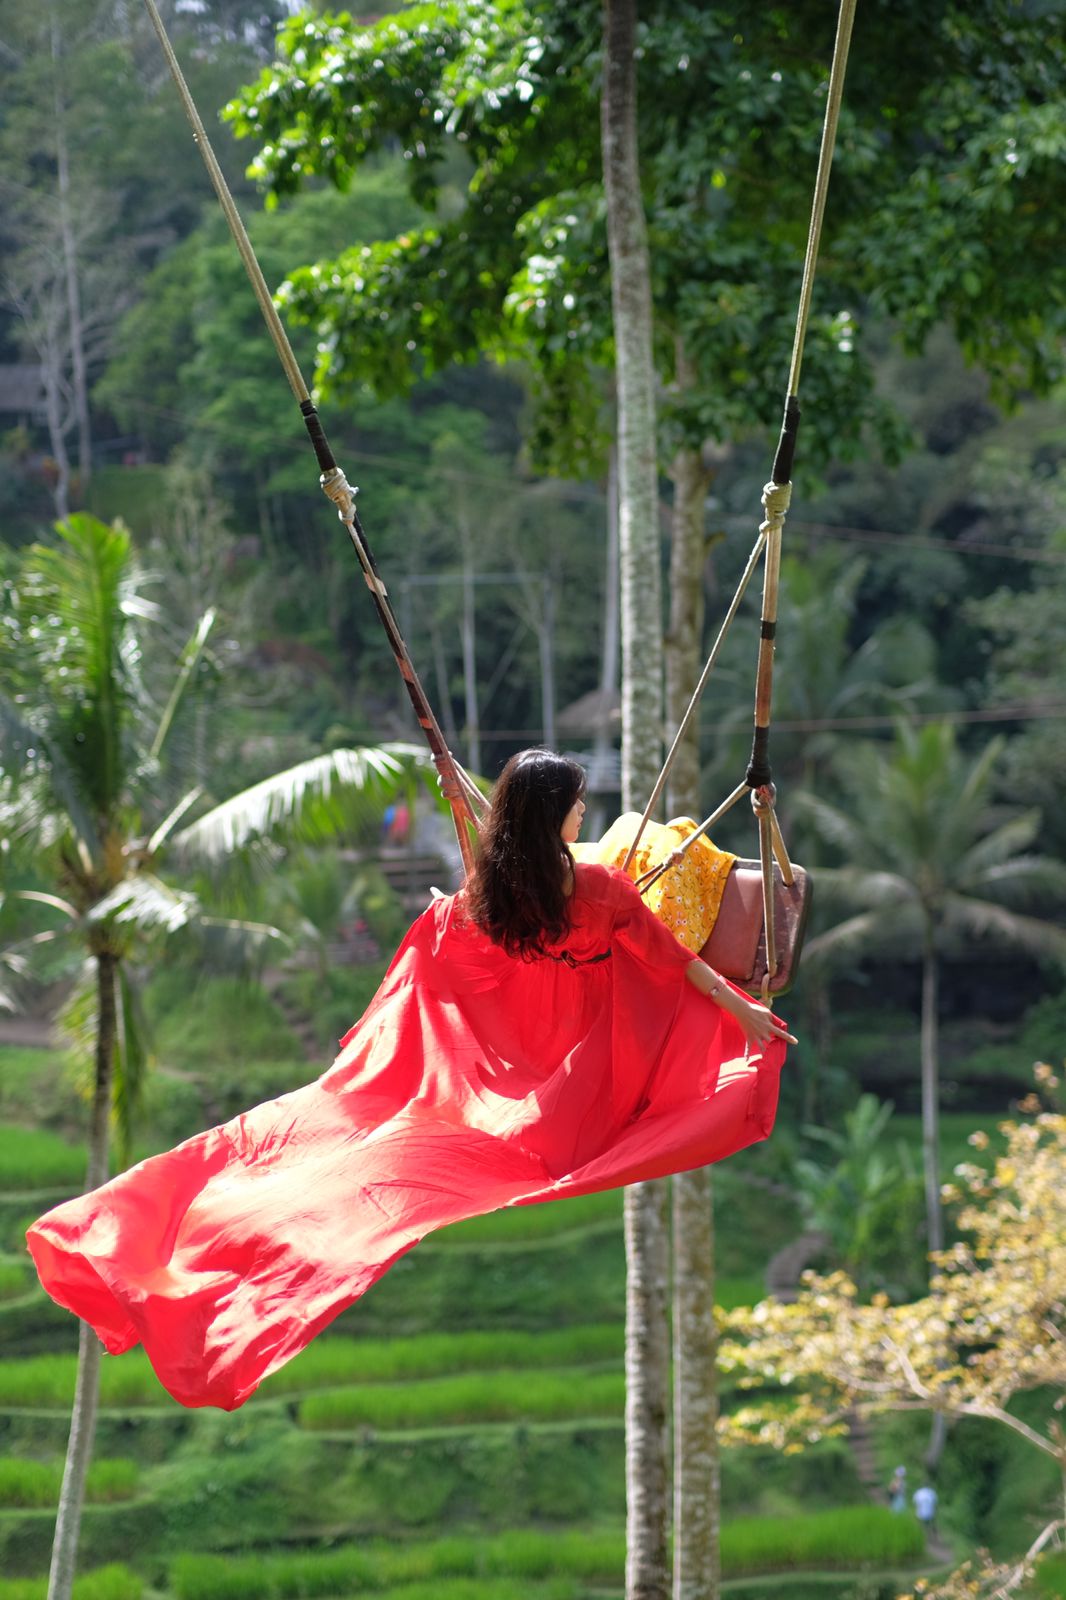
{"x":464,"y":797}
{"x":461,"y":793}
{"x":776,"y":496}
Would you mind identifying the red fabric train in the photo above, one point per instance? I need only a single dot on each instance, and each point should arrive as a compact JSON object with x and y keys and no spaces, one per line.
{"x":473,"y":1081}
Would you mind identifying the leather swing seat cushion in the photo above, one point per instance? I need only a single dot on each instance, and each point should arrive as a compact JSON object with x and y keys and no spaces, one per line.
{"x":737,"y":944}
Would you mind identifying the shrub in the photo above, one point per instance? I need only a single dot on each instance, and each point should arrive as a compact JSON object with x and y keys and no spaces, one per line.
{"x":430,"y":1567}
{"x":538,"y":1221}
{"x":114,"y":1582}
{"x":32,"y":1321}
{"x":472,"y":1564}
{"x":475,"y":1397}
{"x":381,"y":907}
{"x":36,"y":1088}
{"x":15,"y":1215}
{"x":544,"y":1284}
{"x":338,"y":1360}
{"x":333,"y":1002}
{"x":111,"y":1480}
{"x":219,"y":1019}
{"x":1050,"y":1577}
{"x":16,"y":1239}
{"x":33,"y":1158}
{"x":36,"y":1483}
{"x":48,"y":1381}
{"x":853,"y":1536}
{"x":13,"y":1279}
{"x":28,"y":1483}
{"x":331,"y":1574}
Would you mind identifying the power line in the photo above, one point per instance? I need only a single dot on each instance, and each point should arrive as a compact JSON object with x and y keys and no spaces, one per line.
{"x":910,"y":541}
{"x":1035,"y":712}
{"x":842,"y":533}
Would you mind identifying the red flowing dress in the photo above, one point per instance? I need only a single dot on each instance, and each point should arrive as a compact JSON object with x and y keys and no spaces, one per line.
{"x":474,"y":1080}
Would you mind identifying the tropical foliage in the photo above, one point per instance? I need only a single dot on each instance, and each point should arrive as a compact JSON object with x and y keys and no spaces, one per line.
{"x":437,"y":224}
{"x":989,"y":1329}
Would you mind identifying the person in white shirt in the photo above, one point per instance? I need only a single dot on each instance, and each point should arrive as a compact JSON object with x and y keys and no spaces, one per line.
{"x":925,"y":1500}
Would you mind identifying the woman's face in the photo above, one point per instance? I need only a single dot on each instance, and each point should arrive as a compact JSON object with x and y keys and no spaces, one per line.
{"x":572,"y":822}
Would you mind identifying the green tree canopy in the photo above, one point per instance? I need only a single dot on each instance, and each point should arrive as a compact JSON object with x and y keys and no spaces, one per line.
{"x":951,"y":164}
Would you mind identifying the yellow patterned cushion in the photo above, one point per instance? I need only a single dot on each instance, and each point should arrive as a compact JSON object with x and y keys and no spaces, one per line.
{"x":688,"y":895}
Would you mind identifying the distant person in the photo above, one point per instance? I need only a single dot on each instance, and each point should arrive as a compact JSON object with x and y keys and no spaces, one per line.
{"x":925,"y":1503}
{"x":897,"y":1490}
{"x":400,"y":823}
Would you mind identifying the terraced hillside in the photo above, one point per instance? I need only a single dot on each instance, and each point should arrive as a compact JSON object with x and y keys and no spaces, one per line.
{"x":456,"y":1436}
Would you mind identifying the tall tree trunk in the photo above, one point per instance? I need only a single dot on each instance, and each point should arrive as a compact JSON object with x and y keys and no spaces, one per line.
{"x":546,"y":646}
{"x":603,"y":744}
{"x":697,"y":1470}
{"x":930,"y":1051}
{"x":52,"y":377}
{"x":647,"y":1354}
{"x":638,"y":487}
{"x":697,"y":1465}
{"x":934,"y":1214}
{"x":87,"y":1386}
{"x":78,"y":368}
{"x":647,"y":1364}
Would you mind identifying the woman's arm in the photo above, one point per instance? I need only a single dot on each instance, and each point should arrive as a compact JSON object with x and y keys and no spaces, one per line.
{"x":757,"y":1022}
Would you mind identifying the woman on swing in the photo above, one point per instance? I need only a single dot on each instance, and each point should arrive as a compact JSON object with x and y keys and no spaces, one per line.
{"x":539,"y":1034}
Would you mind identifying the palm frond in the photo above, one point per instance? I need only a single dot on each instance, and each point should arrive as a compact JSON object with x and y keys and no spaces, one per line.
{"x":36,"y":959}
{"x":187,"y":663}
{"x":835,"y":825}
{"x":29,"y":752}
{"x":13,"y":971}
{"x":146,"y":903}
{"x":984,"y":919}
{"x":1038,"y":878}
{"x":863,"y":885}
{"x":975,"y":787}
{"x":53,"y":900}
{"x":1001,"y":843}
{"x":846,"y":938}
{"x":307,"y":800}
{"x":86,"y":665}
{"x":235,"y":944}
{"x":171,"y":820}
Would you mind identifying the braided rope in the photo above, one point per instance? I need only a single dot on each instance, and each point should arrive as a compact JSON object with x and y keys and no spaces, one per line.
{"x":455,"y":784}
{"x":776,"y":497}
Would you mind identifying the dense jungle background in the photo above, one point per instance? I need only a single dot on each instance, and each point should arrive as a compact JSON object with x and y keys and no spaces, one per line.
{"x":458,"y":1435}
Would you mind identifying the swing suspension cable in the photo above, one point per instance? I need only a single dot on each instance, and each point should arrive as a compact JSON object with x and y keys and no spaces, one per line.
{"x":776,"y":496}
{"x":462,"y":794}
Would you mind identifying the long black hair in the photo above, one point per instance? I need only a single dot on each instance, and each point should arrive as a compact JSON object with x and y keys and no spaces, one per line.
{"x":518,"y":890}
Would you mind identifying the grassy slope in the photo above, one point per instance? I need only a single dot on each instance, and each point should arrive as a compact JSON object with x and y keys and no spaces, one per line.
{"x":541,"y":1288}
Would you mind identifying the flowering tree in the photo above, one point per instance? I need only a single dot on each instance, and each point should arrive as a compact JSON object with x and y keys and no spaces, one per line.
{"x":990,"y":1328}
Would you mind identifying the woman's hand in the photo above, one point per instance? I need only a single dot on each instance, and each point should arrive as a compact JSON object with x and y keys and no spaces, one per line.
{"x":757,"y":1021}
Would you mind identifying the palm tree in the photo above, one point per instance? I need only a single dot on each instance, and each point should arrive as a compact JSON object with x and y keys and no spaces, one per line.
{"x":85,"y":795}
{"x":862,"y":1190}
{"x":935,"y":868}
